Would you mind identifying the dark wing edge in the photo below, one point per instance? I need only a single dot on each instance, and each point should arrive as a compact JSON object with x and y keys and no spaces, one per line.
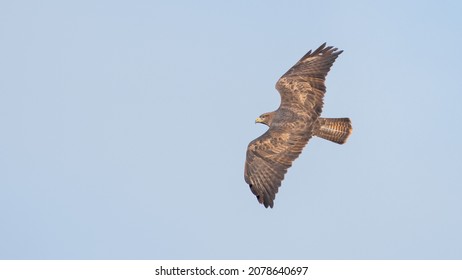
{"x":267,"y":160}
{"x":315,"y":64}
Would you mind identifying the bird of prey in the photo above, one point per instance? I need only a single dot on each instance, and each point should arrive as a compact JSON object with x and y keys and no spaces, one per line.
{"x":291,"y":126}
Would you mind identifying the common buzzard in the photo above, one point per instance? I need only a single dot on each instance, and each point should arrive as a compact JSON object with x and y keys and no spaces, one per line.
{"x":291,"y":126}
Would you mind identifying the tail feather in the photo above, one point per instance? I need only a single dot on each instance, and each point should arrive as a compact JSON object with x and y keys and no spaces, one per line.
{"x":334,"y":129}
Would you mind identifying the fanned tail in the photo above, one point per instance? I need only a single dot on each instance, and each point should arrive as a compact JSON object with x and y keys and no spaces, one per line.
{"x":334,"y":129}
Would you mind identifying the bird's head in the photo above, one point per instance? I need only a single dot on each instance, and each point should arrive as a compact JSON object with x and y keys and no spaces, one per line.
{"x":266,"y":118}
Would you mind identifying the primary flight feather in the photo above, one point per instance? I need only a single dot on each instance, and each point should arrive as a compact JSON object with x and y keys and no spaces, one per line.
{"x":292,"y":125}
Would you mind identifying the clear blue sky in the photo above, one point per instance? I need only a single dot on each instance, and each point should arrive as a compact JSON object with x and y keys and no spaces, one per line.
{"x":124,"y":126}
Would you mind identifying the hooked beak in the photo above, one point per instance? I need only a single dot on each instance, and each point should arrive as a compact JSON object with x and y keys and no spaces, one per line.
{"x":259,"y":120}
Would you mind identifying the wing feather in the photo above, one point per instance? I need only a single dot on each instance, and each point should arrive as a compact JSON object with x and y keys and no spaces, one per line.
{"x":304,"y":83}
{"x":268,"y":158}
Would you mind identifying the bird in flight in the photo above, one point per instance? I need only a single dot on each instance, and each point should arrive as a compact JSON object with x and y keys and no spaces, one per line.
{"x":292,"y":125}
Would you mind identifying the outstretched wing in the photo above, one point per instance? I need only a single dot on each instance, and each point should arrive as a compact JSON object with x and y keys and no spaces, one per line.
{"x":268,"y":158}
{"x":302,"y":90}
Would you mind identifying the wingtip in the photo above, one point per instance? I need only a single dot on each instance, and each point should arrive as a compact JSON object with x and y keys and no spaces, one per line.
{"x":320,"y":48}
{"x":324,"y":48}
{"x":268,"y":204}
{"x":264,"y":201}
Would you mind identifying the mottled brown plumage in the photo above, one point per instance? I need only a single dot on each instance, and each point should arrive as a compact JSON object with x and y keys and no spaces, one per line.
{"x":291,"y":126}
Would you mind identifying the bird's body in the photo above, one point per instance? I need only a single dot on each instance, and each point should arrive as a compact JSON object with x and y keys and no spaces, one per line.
{"x":293,"y":124}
